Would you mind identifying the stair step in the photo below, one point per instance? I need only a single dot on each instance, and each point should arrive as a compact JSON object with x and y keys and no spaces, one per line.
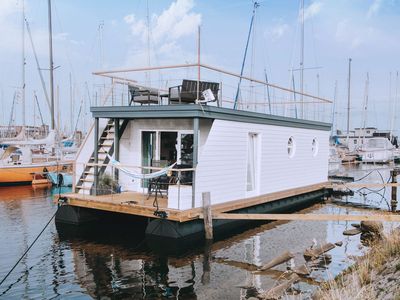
{"x":87,"y":180}
{"x":81,"y":187}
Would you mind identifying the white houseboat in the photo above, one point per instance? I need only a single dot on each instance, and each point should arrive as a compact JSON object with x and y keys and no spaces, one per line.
{"x":248,"y":161}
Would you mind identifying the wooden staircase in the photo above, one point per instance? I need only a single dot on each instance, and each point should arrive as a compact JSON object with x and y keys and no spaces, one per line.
{"x":105,"y":144}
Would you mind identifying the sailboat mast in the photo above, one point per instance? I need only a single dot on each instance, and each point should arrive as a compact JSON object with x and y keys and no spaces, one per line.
{"x":51,"y":67}
{"x":302,"y":60}
{"x":348,"y":100}
{"x":23,"y":65}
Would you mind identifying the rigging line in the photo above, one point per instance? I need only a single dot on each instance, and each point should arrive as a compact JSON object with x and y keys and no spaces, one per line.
{"x":245,"y":54}
{"x":29,"y":248}
{"x":37,"y":103}
{"x":66,"y":44}
{"x":37,"y":64}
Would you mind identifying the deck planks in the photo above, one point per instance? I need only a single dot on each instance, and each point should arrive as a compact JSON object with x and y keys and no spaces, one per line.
{"x":144,"y":207}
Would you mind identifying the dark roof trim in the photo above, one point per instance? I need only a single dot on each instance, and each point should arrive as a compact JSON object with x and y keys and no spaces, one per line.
{"x":208,"y":112}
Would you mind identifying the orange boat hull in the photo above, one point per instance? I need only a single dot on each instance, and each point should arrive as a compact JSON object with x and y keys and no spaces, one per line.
{"x":23,"y":174}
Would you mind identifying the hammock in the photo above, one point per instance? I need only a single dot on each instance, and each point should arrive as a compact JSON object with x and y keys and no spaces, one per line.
{"x":153,"y":175}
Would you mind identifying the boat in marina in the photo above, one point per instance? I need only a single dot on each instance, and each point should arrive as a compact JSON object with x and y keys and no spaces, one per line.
{"x":166,"y":149}
{"x":22,"y":161}
{"x":377,"y":150}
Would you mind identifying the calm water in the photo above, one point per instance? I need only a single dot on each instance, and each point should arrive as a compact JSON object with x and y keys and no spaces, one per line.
{"x":115,"y":262}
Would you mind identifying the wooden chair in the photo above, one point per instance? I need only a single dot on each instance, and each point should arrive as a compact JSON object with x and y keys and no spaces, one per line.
{"x":187,"y":91}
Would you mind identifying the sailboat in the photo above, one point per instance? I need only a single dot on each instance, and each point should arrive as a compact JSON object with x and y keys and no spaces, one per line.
{"x":24,"y":157}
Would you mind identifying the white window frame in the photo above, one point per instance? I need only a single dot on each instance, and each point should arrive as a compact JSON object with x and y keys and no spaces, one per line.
{"x":158,"y":141}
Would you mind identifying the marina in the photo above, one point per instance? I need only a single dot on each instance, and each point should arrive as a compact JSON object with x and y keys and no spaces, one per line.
{"x":199,"y":150}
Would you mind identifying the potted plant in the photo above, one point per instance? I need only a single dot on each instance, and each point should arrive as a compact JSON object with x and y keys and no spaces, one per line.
{"x":107,"y":185}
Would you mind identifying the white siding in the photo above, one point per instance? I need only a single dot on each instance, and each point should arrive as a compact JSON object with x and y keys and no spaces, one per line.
{"x":130,"y":147}
{"x":222,"y":164}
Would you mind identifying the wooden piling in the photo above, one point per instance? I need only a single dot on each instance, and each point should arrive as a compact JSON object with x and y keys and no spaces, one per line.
{"x":207,"y":215}
{"x":393,"y":201}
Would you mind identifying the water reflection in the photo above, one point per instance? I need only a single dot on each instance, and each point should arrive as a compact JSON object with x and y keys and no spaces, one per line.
{"x":114,"y":260}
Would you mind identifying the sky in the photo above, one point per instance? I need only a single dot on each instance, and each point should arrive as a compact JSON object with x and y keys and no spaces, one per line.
{"x":96,"y":35}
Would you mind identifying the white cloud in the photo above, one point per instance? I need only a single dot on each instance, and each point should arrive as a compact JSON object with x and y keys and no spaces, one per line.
{"x":374,"y":8}
{"x":312,"y":10}
{"x":175,"y":22}
{"x":277,"y":31}
{"x":364,"y":36}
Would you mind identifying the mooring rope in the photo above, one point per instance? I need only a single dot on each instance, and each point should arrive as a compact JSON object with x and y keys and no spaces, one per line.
{"x":27,"y":250}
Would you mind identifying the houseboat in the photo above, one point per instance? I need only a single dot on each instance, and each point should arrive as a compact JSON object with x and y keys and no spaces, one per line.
{"x":159,"y":155}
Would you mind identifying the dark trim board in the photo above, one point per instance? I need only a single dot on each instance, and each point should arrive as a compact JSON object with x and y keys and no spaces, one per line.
{"x":205,"y":112}
{"x":17,"y":183}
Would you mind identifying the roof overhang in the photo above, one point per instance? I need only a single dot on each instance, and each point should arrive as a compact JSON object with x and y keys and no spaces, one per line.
{"x":205,"y":112}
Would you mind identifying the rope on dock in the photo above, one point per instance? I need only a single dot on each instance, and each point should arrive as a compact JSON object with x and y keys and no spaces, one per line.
{"x":27,"y":250}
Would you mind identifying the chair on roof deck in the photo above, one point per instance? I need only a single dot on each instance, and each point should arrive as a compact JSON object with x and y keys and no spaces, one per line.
{"x":143,"y":95}
{"x":187,"y":91}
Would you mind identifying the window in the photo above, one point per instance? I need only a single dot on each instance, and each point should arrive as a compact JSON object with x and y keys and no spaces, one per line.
{"x":314,"y":147}
{"x":355,"y":141}
{"x":252,"y":162}
{"x":291,"y":147}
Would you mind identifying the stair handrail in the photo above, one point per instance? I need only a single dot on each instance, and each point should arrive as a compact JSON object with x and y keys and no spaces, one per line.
{"x":92,"y":125}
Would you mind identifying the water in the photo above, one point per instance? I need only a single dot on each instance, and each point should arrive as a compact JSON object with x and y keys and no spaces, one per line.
{"x":114,"y":262}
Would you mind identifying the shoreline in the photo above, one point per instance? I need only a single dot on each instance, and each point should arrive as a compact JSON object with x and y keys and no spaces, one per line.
{"x":375,"y":275}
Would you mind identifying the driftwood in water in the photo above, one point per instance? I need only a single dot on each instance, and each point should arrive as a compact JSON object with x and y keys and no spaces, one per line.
{"x":353,"y":231}
{"x":313,"y":253}
{"x":302,"y":270}
{"x":284,"y":257}
{"x":279,"y":290}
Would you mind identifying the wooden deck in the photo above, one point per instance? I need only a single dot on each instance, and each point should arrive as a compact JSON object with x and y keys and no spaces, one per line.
{"x":137,"y":203}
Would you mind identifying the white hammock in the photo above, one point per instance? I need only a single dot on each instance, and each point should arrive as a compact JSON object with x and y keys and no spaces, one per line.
{"x":153,"y":175}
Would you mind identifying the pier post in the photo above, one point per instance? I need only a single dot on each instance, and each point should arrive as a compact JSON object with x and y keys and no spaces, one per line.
{"x":208,"y":227}
{"x":393,"y":202}
{"x":116,"y":145}
{"x":96,"y":155}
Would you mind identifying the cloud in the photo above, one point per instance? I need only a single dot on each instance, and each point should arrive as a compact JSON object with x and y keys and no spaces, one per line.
{"x":312,"y":10}
{"x":374,"y":8}
{"x":166,"y":29}
{"x":277,"y":31}
{"x":173,"y":23}
{"x":364,"y":36}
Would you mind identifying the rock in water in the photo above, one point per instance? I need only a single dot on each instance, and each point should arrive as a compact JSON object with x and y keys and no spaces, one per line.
{"x":339,"y":243}
{"x":353,"y":231}
{"x":372,"y":227}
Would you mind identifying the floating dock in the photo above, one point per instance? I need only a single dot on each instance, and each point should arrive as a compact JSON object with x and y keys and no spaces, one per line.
{"x":165,"y":222}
